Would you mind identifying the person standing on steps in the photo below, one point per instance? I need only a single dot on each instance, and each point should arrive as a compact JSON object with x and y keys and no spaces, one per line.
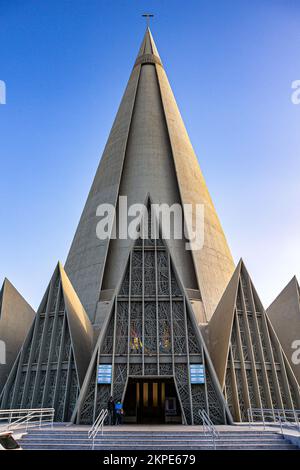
{"x":111,"y":411}
{"x":119,"y":412}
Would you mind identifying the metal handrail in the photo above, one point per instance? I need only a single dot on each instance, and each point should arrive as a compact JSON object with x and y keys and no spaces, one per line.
{"x":19,"y":418}
{"x":98,"y":424}
{"x":209,"y":426}
{"x":271,"y":416}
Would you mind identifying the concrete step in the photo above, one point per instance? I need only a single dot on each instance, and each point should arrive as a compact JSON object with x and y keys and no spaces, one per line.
{"x":149,"y":440}
{"x":149,"y":434}
{"x":152,"y":438}
{"x":134,"y":430}
{"x":130,"y":435}
{"x":160,"y":448}
{"x":66,"y":438}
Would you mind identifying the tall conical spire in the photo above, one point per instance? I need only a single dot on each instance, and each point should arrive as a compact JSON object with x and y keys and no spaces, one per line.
{"x":148,"y":152}
{"x":148,"y":45}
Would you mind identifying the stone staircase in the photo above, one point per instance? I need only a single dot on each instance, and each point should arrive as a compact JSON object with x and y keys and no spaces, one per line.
{"x":76,"y":438}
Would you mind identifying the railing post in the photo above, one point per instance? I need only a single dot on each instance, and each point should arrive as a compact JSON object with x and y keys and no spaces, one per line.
{"x":97,"y":425}
{"x":25,"y":418}
{"x":250,"y":416}
{"x":208,"y":426}
{"x":283,"y":418}
{"x":297,"y":420}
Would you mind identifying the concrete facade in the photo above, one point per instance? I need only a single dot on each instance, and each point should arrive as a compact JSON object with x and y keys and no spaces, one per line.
{"x":151,"y":331}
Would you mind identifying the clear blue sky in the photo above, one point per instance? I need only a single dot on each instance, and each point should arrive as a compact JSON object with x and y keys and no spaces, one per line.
{"x":230,"y":63}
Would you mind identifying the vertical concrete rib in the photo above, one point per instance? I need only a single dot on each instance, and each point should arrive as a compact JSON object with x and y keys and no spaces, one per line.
{"x":260,"y":348}
{"x":250,"y":349}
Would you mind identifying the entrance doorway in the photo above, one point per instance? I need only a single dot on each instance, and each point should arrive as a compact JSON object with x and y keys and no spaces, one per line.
{"x":150,"y":400}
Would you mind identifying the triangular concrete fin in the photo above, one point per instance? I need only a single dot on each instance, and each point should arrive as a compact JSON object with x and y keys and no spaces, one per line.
{"x":16,"y":317}
{"x":9,"y":296}
{"x":290,"y":290}
{"x":257,"y":373}
{"x":145,"y":334}
{"x":220,"y":326}
{"x":49,"y":369}
{"x":284,"y":314}
{"x":80,"y":326}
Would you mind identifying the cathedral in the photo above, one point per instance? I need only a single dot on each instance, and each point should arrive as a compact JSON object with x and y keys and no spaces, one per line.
{"x":167,"y":330}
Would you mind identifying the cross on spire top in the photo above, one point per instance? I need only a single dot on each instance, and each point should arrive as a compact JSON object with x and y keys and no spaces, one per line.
{"x":148,"y":16}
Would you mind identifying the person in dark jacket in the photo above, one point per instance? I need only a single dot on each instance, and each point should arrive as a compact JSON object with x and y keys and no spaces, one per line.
{"x":119,"y":412}
{"x":111,"y":411}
